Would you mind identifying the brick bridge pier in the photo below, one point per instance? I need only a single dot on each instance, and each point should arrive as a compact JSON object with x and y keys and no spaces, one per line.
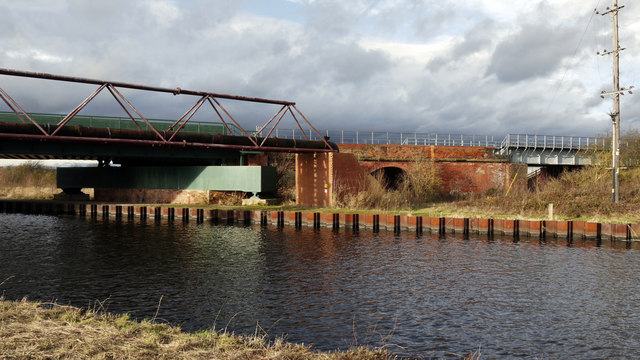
{"x":463,"y":169}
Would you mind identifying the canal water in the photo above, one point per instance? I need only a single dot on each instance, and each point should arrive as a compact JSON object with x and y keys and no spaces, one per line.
{"x":419,"y":296}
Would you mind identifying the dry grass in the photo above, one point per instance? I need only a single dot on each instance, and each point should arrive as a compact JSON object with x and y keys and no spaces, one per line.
{"x":418,"y":187}
{"x":28,"y":181}
{"x":31,"y":330}
{"x":285,"y":165}
{"x":579,"y":194}
{"x":225,"y":198}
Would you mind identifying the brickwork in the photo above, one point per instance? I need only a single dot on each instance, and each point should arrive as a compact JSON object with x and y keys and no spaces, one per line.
{"x":320,"y":176}
{"x":403,"y":152}
{"x":464,"y":169}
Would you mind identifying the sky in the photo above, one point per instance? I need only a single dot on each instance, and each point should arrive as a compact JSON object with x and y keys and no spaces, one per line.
{"x":487,"y":67}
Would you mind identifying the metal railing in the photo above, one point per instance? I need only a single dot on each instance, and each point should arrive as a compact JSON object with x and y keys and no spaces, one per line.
{"x":510,"y":141}
{"x":389,"y":137}
{"x":553,"y":142}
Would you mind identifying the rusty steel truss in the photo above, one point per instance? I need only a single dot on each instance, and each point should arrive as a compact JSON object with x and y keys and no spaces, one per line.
{"x":171,"y":137}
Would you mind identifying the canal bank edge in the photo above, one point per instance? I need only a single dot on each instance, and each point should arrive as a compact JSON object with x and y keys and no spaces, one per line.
{"x":566,"y":229}
{"x":48,"y":330}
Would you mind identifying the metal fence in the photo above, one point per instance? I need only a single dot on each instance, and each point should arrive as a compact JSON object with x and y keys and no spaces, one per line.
{"x":553,"y":142}
{"x":388,"y":137}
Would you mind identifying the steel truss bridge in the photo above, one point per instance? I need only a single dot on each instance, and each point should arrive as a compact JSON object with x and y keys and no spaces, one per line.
{"x":144,"y":141}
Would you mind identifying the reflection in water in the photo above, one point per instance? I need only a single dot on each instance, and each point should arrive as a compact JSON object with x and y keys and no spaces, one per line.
{"x":418,"y":295}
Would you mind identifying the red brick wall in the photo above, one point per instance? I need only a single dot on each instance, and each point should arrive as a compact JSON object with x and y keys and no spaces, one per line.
{"x":312,"y":179}
{"x":320,"y":176}
{"x":464,"y":169}
{"x":398,"y":152}
{"x":464,"y":177}
{"x":479,"y":177}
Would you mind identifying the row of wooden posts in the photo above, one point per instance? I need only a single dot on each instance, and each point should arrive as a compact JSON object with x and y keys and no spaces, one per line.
{"x":376,"y":222}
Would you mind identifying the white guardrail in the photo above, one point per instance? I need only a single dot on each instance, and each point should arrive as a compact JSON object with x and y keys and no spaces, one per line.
{"x":523,"y":141}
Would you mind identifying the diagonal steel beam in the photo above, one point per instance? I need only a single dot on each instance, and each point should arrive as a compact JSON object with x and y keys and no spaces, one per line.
{"x":138,"y":113}
{"x":199,"y":104}
{"x":273,"y":127}
{"x":234,"y":121}
{"x":219,"y":115}
{"x":15,"y":105}
{"x":122,"y":106}
{"x":314,"y":129}
{"x":75,"y":111}
{"x":175,"y":91}
{"x":299,"y":126}
{"x":270,"y":120}
{"x":186,"y":113}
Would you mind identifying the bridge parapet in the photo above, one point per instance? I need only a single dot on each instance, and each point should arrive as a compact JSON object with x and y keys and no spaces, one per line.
{"x":550,"y":149}
{"x":391,"y":137}
{"x":553,"y":142}
{"x":518,"y":148}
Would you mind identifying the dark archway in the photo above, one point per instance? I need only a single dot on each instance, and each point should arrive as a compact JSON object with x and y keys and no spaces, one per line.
{"x":390,"y":177}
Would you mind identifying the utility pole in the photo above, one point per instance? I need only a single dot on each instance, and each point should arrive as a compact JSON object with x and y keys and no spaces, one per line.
{"x":615,"y":93}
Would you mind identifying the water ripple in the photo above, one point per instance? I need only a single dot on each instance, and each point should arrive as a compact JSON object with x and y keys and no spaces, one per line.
{"x":421,"y":296}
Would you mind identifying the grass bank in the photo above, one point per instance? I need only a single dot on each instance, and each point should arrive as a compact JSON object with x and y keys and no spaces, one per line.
{"x":28,"y":181}
{"x":33,"y":330}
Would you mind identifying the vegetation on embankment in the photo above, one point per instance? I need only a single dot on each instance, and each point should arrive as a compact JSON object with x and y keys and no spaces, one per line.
{"x":30,"y":180}
{"x":583,"y":194}
{"x":33,"y":330}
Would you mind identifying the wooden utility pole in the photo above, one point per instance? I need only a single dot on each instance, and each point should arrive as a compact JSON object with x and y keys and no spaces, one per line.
{"x":615,"y":93}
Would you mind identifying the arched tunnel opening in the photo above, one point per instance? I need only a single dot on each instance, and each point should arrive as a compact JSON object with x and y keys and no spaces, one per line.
{"x":390,"y":177}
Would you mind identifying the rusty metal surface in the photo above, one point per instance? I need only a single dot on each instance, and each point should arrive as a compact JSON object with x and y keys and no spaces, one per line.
{"x":249,"y":142}
{"x":175,"y":91}
{"x":81,"y":134}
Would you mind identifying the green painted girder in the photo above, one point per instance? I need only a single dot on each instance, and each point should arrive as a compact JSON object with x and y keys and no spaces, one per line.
{"x":221,"y":178}
{"x":114,"y":122}
{"x":119,"y":153}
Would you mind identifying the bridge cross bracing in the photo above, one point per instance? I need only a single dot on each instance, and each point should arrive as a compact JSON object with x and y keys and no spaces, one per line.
{"x":169,"y":137}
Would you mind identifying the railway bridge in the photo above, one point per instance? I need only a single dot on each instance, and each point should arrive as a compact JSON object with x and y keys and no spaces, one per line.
{"x":153,"y":160}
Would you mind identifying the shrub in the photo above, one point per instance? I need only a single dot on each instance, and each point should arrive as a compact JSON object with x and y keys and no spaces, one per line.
{"x":285,"y":165}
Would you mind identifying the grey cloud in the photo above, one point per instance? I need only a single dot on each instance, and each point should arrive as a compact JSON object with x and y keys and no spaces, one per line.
{"x":330,"y":18}
{"x":429,"y":19}
{"x":477,"y":38}
{"x":535,"y":50}
{"x":7,"y":25}
{"x":318,"y":63}
{"x":350,"y":63}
